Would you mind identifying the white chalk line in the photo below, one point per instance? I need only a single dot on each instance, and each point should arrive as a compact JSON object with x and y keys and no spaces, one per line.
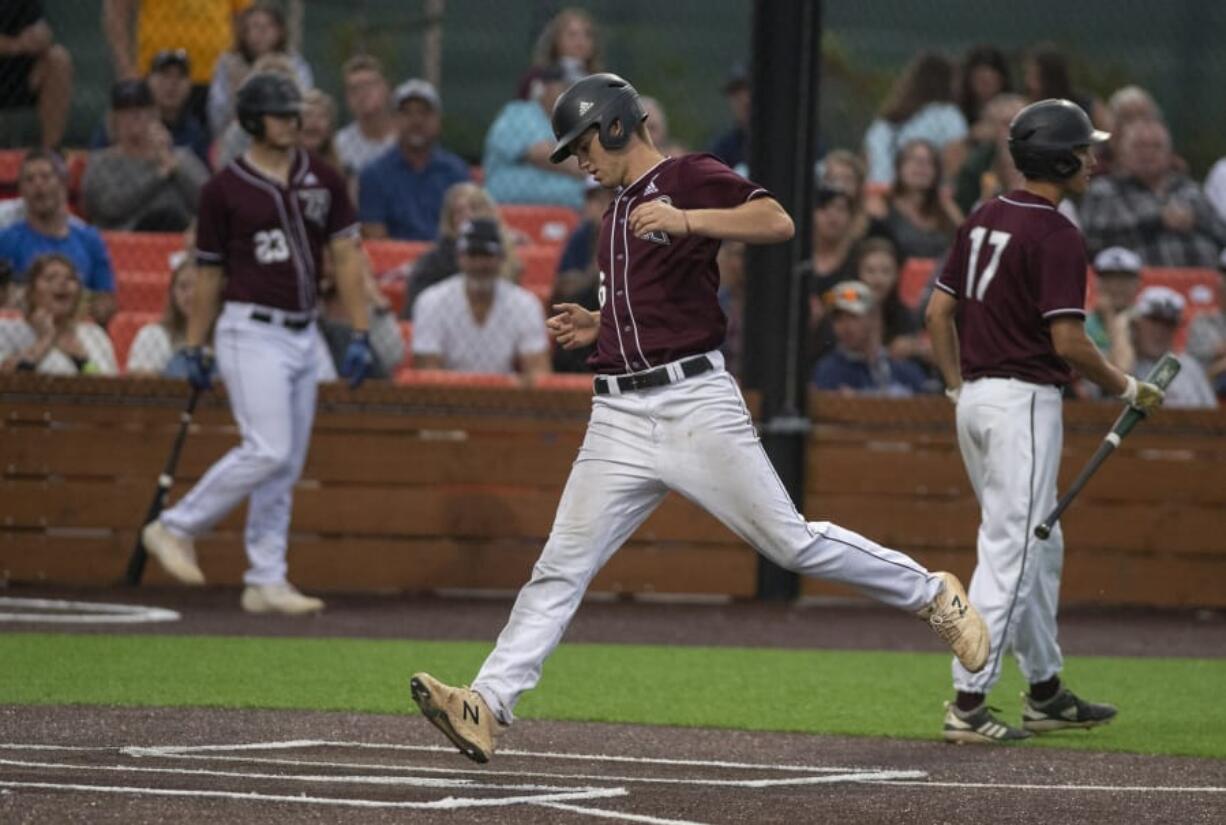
{"x":402,"y":781}
{"x":578,"y":777}
{"x":618,"y":815}
{"x":86,"y":612}
{"x":1018,"y":786}
{"x":173,"y":750}
{"x":449,"y":803}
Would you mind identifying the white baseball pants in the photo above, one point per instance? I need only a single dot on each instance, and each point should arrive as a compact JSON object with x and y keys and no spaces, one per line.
{"x":1011,"y":434}
{"x":697,"y":438}
{"x":270,"y":375}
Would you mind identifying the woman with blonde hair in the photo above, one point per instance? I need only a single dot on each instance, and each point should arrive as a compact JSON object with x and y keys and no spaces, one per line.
{"x":462,"y":202}
{"x":51,"y":337}
{"x":154,"y":349}
{"x":571,"y":40}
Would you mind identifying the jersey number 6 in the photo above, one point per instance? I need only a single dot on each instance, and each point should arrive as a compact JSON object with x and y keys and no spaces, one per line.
{"x":998,"y":240}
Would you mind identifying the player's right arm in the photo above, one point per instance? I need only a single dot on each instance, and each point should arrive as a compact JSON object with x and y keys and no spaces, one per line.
{"x":943,"y":332}
{"x":206,"y":301}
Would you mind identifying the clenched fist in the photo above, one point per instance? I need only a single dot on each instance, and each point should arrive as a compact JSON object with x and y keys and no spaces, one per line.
{"x":1142,"y":395}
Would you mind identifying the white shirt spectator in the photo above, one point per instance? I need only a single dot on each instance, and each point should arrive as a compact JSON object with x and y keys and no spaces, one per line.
{"x":1215,"y":188}
{"x":937,"y":123}
{"x":12,"y":210}
{"x":356,"y":150}
{"x":443,"y":325}
{"x":16,"y":335}
{"x":151,"y":350}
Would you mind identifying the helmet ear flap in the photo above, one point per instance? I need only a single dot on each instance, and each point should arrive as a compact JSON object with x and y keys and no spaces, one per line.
{"x":1066,"y":165}
{"x":613,"y":133}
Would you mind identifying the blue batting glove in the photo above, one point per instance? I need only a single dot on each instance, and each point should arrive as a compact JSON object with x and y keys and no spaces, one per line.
{"x":358,"y":359}
{"x":199,"y":367}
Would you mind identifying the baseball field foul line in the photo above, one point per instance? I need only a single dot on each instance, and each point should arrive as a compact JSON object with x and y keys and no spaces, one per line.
{"x":1031,"y":787}
{"x":618,"y":815}
{"x":83,"y":612}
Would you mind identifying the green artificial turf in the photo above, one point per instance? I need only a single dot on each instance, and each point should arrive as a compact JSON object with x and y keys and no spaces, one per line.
{"x":1167,"y":706}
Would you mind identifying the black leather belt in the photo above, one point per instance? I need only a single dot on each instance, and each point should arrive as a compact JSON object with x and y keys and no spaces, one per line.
{"x":296,"y":324}
{"x":658,"y":377}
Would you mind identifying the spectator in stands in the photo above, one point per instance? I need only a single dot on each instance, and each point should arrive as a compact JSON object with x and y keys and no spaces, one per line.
{"x":1147,"y":206}
{"x":832,"y":262}
{"x":984,"y":75}
{"x":657,"y":127}
{"x":1215,"y":188}
{"x":51,"y":337}
{"x":169,"y":82}
{"x":732,"y":296}
{"x":259,"y":30}
{"x":34,"y":69}
{"x":732,"y":147}
{"x":476,"y":321}
{"x":143,"y":183}
{"x":1119,"y":280}
{"x":6,"y":279}
{"x":373,"y":130}
{"x":204,"y":28}
{"x":401,"y":191}
{"x":48,"y":227}
{"x":844,"y":170}
{"x":334,"y":324}
{"x":570,"y":40}
{"x":578,"y":278}
{"x":878,"y":266}
{"x":921,"y":214}
{"x":156,"y":348}
{"x":980,"y":177}
{"x":1151,"y":333}
{"x":517,"y":147}
{"x":463,"y":202}
{"x":859,"y":364}
{"x":318,"y":133}
{"x":919,"y":107}
{"x":1045,"y":74}
{"x":1207,"y":336}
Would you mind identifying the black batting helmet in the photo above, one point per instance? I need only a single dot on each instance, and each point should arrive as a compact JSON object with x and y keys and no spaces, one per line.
{"x":599,"y":100}
{"x":266,"y":93}
{"x":1043,"y":136}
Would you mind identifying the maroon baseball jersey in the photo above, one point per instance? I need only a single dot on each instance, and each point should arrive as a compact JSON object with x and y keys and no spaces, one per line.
{"x":1016,"y":264}
{"x":268,"y":237}
{"x":659,"y":294}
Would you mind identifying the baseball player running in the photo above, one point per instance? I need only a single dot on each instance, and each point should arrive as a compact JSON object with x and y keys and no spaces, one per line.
{"x":1007,"y":321}
{"x":264,"y":223}
{"x":666,"y":415}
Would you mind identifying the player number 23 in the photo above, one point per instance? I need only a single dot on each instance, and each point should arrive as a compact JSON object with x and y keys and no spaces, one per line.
{"x":998,"y":241}
{"x":270,"y":247}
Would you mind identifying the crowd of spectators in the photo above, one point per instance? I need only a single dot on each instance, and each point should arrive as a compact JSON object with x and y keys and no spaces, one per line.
{"x":935,"y":150}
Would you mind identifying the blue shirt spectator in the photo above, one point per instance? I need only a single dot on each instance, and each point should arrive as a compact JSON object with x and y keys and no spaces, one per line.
{"x":517,"y":147}
{"x":400,"y":193}
{"x":20,"y":244}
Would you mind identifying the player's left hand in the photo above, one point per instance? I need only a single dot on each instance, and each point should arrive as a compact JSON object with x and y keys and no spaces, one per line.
{"x":358,"y":359}
{"x":658,"y":216}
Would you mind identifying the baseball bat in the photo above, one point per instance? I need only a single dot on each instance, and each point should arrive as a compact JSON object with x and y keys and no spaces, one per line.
{"x":1162,"y":374}
{"x":136,"y":562}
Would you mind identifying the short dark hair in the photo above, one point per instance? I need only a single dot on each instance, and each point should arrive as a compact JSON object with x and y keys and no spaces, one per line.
{"x":50,"y":156}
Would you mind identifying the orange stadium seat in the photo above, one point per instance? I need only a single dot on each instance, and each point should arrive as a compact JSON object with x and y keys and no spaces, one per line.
{"x":386,"y":255}
{"x":542,"y":224}
{"x":914,"y":277}
{"x":142,"y":251}
{"x":141,"y":291}
{"x":540,"y":265}
{"x":10,"y":170}
{"x":394,"y":289}
{"x":123,"y":328}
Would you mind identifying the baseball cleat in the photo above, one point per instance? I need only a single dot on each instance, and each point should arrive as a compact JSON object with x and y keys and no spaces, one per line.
{"x":978,"y":727}
{"x":279,"y":598}
{"x":176,"y":554}
{"x":1064,"y":710}
{"x":460,"y":713}
{"x":957,"y":621}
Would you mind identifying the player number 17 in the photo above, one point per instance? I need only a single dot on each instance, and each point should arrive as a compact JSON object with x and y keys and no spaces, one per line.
{"x":998,"y":241}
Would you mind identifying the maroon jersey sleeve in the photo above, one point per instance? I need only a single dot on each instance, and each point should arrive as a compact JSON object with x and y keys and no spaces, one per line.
{"x":211,"y":225}
{"x":342,"y":217}
{"x":953,"y":276}
{"x":1061,"y":268}
{"x":709,"y":184}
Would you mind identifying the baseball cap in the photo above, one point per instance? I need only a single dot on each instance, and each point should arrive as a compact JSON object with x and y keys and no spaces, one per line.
{"x":1160,"y":303}
{"x":171,"y":57}
{"x":131,"y":94}
{"x":851,"y":296}
{"x":1118,"y":259}
{"x":480,"y":236}
{"x":826,"y":193}
{"x":418,"y":89}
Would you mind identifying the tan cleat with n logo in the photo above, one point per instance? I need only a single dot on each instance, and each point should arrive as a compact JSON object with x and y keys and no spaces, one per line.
{"x":459,"y":713}
{"x":957,"y":621}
